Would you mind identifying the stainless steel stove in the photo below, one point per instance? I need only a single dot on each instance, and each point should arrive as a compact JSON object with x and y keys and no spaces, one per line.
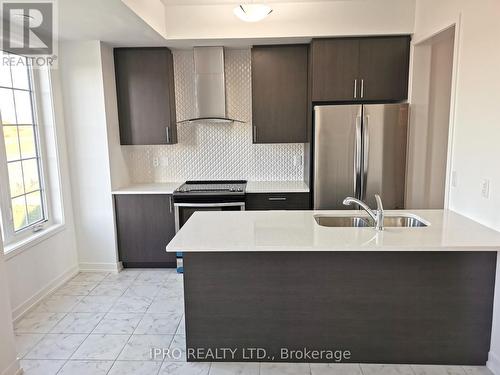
{"x":212,"y":187}
{"x":216,"y":195}
{"x":208,"y":195}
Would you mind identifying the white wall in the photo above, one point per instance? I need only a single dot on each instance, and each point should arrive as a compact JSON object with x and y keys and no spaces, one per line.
{"x":476,"y":152}
{"x":9,"y":364}
{"x":85,"y":117}
{"x":45,"y":265}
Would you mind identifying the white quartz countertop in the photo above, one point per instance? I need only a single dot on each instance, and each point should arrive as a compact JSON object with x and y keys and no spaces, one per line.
{"x":277,"y":187}
{"x":151,"y":188}
{"x":232,"y":231}
{"x":252,"y":187}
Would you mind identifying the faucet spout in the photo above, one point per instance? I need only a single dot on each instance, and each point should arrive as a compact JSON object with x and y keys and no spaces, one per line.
{"x":376,"y":215}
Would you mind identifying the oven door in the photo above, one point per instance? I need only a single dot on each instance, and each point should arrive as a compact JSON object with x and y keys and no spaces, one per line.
{"x":183,"y":211}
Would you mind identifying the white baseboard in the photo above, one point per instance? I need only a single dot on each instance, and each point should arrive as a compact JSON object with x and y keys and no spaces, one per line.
{"x":13,"y":369}
{"x":25,"y":307}
{"x":493,"y":363}
{"x":96,"y":267}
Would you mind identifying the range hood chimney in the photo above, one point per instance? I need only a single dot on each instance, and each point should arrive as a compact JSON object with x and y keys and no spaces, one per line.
{"x":210,"y":85}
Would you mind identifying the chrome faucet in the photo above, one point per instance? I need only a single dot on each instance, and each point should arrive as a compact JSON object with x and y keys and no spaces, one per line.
{"x":376,"y":215}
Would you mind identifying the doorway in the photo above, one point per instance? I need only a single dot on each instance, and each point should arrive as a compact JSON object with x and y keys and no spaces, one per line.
{"x":430,"y":121}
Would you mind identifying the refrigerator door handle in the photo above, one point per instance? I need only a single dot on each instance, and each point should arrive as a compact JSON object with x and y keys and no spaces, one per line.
{"x":357,"y":158}
{"x":366,"y":155}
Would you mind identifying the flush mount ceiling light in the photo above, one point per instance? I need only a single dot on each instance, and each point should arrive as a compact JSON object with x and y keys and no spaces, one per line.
{"x":252,"y":12}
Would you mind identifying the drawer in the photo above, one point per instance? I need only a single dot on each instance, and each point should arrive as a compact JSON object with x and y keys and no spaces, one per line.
{"x":278,"y":201}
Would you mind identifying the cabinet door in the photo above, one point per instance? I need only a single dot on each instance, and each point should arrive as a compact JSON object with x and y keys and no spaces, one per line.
{"x":145,"y":225}
{"x":384,"y":67}
{"x":145,"y":94}
{"x":279,"y":94}
{"x":278,"y":201}
{"x":335,"y":67}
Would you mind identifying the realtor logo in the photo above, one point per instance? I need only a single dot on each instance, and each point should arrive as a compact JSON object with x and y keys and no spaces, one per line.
{"x":28,"y":27}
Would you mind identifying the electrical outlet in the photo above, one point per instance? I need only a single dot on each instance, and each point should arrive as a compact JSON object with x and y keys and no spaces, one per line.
{"x":485,"y":189}
{"x":156,"y":162}
{"x":454,"y":179}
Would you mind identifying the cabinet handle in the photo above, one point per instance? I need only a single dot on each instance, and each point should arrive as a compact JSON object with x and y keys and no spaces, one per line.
{"x":362,"y":88}
{"x":277,"y":198}
{"x":170,"y":204}
{"x":355,"y":88}
{"x":255,"y":133}
{"x":167,"y":130}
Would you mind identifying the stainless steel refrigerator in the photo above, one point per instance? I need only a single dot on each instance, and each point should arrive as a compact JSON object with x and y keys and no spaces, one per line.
{"x":359,"y":151}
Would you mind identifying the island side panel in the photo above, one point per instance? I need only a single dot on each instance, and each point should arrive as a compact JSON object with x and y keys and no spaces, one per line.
{"x":384,"y":307}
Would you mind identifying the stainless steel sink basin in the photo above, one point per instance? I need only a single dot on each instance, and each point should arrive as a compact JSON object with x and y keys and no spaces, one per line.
{"x":403,"y":221}
{"x":342,"y":221}
{"x":390,"y":221}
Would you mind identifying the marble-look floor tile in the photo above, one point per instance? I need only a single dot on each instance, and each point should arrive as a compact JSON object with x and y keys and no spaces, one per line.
{"x":159,"y":324}
{"x":234,"y":368}
{"x":437,"y":370}
{"x":477,"y":370}
{"x":177,"y":349}
{"x":185,"y":368}
{"x":119,"y":323}
{"x":101,"y":347}
{"x":86,"y":368}
{"x":100,"y":304}
{"x":57,"y":303}
{"x":167,"y":304}
{"x":109,"y":289}
{"x":285,"y":369}
{"x":56,"y":346}
{"x":142,"y":290}
{"x":78,"y":323}
{"x":38,"y":322}
{"x":335,"y":369}
{"x":377,"y":369}
{"x":41,"y":367}
{"x":73,"y":288}
{"x":135,"y":368}
{"x":90,"y":277}
{"x":152,"y":277}
{"x":140,"y":347}
{"x":181,"y":330}
{"x":122,"y":278}
{"x":26,"y":341}
{"x":131,"y":304}
{"x":168,"y":290}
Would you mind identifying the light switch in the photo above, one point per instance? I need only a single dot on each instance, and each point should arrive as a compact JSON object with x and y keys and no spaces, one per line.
{"x":156,"y":162}
{"x":485,"y":189}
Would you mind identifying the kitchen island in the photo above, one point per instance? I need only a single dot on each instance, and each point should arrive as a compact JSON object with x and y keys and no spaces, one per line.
{"x":277,"y":286}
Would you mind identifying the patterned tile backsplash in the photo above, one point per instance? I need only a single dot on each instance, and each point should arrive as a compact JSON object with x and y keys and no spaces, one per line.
{"x":215,"y":151}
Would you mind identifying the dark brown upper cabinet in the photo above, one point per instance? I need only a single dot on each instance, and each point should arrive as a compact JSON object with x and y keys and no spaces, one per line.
{"x":145,"y":94}
{"x":360,"y":69}
{"x":279,"y":93}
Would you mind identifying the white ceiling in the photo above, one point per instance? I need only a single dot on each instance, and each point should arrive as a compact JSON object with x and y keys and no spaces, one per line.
{"x":186,"y":23}
{"x":110,"y":21}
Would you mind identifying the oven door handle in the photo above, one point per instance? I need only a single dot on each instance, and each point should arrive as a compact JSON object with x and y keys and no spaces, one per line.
{"x":225,"y":204}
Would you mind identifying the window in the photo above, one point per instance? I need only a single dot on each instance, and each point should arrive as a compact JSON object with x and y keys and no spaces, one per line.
{"x":23,"y":201}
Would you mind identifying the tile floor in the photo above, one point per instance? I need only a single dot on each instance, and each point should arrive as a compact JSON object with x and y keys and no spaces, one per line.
{"x":99,"y":323}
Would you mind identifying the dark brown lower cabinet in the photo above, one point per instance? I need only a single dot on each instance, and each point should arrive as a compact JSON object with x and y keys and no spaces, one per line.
{"x":278,"y":201}
{"x":145,"y":225}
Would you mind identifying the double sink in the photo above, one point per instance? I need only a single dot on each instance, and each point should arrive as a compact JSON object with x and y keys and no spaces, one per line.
{"x":390,"y":221}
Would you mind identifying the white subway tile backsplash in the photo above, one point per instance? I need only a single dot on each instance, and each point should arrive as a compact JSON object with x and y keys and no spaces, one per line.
{"x":215,"y":151}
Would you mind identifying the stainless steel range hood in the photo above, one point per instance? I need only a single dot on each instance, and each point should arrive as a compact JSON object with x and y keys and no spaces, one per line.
{"x":210,"y":85}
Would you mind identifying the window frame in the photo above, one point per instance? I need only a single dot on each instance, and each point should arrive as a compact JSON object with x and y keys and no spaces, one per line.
{"x":11,"y":236}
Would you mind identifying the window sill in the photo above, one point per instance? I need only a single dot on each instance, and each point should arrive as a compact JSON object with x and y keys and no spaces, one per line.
{"x":16,"y":248}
